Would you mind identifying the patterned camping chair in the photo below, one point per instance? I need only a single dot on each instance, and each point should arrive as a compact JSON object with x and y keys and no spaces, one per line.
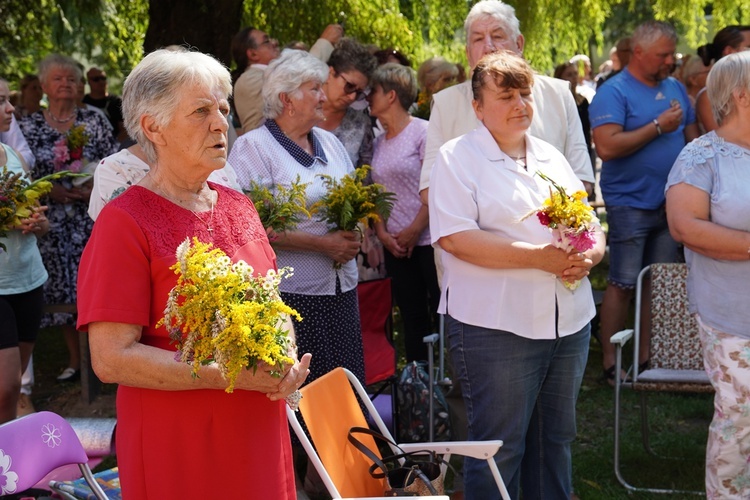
{"x":676,"y":356}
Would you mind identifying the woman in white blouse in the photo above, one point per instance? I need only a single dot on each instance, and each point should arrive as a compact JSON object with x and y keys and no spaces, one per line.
{"x":518,"y":337}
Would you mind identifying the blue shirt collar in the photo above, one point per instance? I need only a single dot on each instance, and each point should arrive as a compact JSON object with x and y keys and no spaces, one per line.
{"x":299,"y":154}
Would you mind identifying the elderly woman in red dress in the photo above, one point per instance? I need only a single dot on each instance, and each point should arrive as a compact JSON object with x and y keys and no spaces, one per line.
{"x":180,"y":436}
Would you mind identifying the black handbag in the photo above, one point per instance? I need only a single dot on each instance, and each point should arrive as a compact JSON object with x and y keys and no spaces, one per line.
{"x":419,"y":475}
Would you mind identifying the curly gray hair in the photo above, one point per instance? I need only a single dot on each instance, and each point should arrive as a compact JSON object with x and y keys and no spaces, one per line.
{"x":285,"y":75}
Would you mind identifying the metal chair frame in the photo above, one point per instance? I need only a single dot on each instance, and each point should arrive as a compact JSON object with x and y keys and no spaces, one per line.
{"x":688,"y":377}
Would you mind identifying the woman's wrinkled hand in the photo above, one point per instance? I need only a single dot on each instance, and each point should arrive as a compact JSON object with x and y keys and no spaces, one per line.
{"x":342,"y":246}
{"x":293,"y":379}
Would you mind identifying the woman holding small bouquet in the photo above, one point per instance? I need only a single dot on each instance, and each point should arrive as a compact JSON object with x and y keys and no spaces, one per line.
{"x":518,"y":336}
{"x":181,"y":436}
{"x":22,"y":276}
{"x":707,"y":205}
{"x":63,"y":137}
{"x":289,"y":148}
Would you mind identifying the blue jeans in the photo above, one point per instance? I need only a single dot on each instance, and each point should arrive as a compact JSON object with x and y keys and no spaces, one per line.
{"x":636,"y":239}
{"x":524,"y":392}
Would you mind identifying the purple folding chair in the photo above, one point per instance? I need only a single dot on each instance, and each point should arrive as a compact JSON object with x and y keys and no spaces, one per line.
{"x":33,"y":446}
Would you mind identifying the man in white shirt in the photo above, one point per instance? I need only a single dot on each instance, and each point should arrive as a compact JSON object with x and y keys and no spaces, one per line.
{"x":259,"y":50}
{"x":491,"y":26}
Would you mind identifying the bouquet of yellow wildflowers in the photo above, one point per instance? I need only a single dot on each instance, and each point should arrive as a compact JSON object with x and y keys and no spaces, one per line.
{"x":220,"y":312}
{"x":349,"y":201}
{"x":19,"y":195}
{"x":569,"y":218}
{"x":282,"y":209}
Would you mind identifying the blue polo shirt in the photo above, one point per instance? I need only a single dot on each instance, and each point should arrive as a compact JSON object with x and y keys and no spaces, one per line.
{"x":638,"y":180}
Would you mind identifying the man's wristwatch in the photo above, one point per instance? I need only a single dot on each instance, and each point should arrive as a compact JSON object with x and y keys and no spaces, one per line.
{"x":658,"y":127}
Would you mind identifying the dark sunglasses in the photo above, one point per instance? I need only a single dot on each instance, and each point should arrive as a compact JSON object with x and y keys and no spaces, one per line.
{"x":350,"y":88}
{"x":98,"y":79}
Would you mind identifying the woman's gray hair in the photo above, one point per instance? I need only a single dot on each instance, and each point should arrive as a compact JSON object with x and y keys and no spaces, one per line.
{"x":730,"y":74}
{"x":154,"y":88}
{"x":434,"y":70}
{"x":497,"y":10}
{"x":393,"y":76}
{"x":58,"y":61}
{"x":649,"y":32}
{"x":285,"y":75}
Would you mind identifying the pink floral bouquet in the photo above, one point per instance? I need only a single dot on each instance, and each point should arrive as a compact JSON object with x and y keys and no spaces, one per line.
{"x":68,"y":150}
{"x":570,"y":219}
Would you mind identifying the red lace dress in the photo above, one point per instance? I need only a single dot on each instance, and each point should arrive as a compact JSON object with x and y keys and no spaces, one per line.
{"x":181,"y":444}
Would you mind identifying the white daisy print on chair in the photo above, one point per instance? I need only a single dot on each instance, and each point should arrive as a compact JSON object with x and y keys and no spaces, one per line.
{"x":8,"y":478}
{"x":51,"y":435}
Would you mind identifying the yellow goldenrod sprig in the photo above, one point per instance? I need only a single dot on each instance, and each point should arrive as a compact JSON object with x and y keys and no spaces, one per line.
{"x":221,"y":312}
{"x":349,"y":201}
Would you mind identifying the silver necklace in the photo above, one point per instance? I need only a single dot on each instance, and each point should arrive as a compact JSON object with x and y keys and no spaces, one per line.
{"x":61,"y":120}
{"x":210,"y":219}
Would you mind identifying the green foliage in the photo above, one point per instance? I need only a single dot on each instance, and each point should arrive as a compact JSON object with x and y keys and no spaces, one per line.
{"x":20,"y":36}
{"x":108,"y":33}
{"x":380,"y":23}
{"x":284,"y":208}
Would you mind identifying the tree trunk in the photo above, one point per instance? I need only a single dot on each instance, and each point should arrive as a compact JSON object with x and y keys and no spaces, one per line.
{"x":201,"y":25}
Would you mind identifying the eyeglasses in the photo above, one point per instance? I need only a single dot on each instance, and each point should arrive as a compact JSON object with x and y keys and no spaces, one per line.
{"x":98,"y":79}
{"x":350,"y":88}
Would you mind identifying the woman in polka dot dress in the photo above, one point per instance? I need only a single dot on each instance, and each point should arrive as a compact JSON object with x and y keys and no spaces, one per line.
{"x":289,"y":146}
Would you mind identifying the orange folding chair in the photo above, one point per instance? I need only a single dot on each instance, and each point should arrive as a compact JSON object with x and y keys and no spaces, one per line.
{"x":331,"y":408}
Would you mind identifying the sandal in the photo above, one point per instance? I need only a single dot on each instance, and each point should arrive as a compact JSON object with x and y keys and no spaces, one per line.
{"x":609,"y":376}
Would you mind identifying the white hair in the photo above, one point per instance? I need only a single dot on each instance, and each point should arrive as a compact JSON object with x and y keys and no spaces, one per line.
{"x":730,"y":74}
{"x":58,"y":61}
{"x":501,"y":12}
{"x":153,"y":88}
{"x":286,"y":74}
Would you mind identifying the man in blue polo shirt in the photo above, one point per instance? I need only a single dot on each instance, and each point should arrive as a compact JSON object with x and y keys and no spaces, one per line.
{"x":641,"y":120}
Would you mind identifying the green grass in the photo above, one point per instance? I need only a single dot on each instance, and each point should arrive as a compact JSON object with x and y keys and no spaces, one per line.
{"x":678,"y":422}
